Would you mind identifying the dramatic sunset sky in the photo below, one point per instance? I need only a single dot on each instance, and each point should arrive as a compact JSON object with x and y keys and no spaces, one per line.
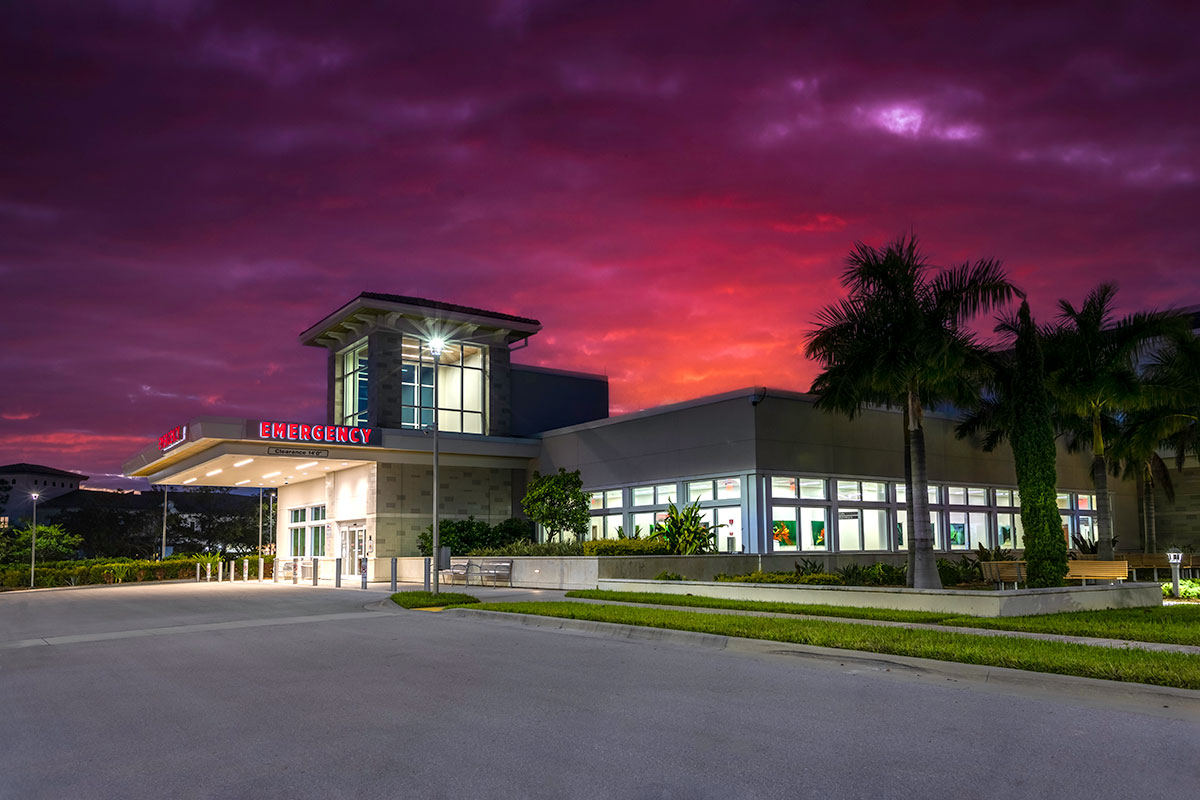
{"x":670,"y":187}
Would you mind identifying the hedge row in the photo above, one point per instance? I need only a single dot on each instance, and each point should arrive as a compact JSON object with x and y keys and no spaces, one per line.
{"x":626,"y":547}
{"x":115,"y":571}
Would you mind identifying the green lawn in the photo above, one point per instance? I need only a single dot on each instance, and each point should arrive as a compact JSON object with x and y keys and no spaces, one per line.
{"x":1169,"y":624}
{"x":1139,"y":666}
{"x":420,"y":599}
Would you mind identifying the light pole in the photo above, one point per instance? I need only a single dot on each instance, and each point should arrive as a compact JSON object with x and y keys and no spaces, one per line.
{"x":435,"y":347}
{"x":33,"y":541}
{"x":163,"y":556}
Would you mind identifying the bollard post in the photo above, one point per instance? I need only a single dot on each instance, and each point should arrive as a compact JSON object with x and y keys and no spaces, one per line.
{"x":362,"y":568}
{"x":260,"y":569}
{"x":220,"y":571}
{"x":275,"y":570}
{"x":197,"y":572}
{"x":316,"y":569}
{"x":337,"y":573}
{"x":207,"y":572}
{"x":245,"y":569}
{"x":232,"y":571}
{"x":427,"y":574}
{"x":295,"y":571}
{"x":1175,"y":558}
{"x":393,"y":574}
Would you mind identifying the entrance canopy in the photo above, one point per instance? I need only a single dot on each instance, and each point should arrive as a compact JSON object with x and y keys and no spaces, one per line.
{"x":221,"y":451}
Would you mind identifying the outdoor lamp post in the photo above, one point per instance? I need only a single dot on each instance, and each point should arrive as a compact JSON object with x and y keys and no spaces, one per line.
{"x":1174,"y":558}
{"x":33,"y":542}
{"x":435,"y":347}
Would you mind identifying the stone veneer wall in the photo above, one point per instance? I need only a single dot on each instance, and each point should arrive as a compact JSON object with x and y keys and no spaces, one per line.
{"x":384,"y":359}
{"x":400,"y":507}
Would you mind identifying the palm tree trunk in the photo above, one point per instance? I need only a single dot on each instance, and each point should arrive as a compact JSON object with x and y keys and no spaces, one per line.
{"x":1151,"y":525}
{"x":924,"y":566}
{"x":1104,"y":533}
{"x":908,"y":500}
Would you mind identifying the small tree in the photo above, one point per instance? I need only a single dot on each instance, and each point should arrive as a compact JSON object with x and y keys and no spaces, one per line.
{"x":53,"y":544}
{"x":558,"y":503}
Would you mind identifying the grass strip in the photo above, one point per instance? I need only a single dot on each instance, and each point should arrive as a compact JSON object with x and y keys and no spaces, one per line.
{"x":774,"y":607}
{"x":421,"y":599}
{"x":1108,"y":663}
{"x":1166,"y":624}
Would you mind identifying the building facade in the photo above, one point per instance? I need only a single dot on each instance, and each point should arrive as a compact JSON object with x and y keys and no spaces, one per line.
{"x":775,"y":473}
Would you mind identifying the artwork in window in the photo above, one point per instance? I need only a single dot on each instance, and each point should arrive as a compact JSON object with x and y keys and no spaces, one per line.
{"x":784,"y":532}
{"x":818,"y":532}
{"x":958,"y":534}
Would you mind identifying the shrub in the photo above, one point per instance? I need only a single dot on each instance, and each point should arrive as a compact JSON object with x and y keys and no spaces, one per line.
{"x":531,"y":549}
{"x":806,"y":566}
{"x":965,"y":570}
{"x":685,"y":531}
{"x":758,"y":576}
{"x":625,"y":547}
{"x":465,"y":536}
{"x":668,"y":576}
{"x":878,"y":574}
{"x":1188,"y":590}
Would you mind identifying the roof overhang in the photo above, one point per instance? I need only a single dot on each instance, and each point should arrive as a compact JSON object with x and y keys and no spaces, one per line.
{"x":423,"y":318}
{"x":219,"y":451}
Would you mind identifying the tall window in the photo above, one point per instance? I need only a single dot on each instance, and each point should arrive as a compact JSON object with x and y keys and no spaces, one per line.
{"x":307,"y":540}
{"x":354,"y":386}
{"x":460,"y":391}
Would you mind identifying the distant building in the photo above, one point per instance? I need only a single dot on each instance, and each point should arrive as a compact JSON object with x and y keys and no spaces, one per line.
{"x":19,"y":482}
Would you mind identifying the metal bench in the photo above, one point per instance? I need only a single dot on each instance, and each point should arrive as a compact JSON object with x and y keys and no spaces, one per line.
{"x":459,"y":568}
{"x":1003,"y":573}
{"x":495,"y":568}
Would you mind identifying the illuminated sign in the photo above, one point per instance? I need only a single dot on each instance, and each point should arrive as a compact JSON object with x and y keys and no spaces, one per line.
{"x":172,"y":437}
{"x":332,"y":434}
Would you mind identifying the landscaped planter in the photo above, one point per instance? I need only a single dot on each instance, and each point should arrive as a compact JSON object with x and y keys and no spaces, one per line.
{"x":1009,"y":603}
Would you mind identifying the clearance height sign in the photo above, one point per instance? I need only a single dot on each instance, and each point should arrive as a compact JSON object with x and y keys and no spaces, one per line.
{"x":324,"y":434}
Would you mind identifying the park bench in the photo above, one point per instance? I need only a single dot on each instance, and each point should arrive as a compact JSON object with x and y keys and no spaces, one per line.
{"x":1084,"y":571}
{"x":1003,"y":573}
{"x":1155,"y":561}
{"x":460,"y":568}
{"x":485,"y":569}
{"x":497,"y":569}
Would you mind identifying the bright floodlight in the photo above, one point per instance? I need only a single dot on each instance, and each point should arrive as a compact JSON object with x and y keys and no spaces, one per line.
{"x":35,"y":495}
{"x":436,"y":344}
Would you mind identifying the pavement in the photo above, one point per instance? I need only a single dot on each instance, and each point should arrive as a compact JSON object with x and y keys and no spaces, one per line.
{"x":194,"y":690}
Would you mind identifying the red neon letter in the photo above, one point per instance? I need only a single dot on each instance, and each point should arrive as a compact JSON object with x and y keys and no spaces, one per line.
{"x":264,"y":430}
{"x":366,"y":435}
{"x":293,"y":429}
{"x":305,"y":431}
{"x":341,"y":434}
{"x":278,"y":430}
{"x":318,"y":433}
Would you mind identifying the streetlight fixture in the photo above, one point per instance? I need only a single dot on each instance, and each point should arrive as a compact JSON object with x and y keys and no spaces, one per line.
{"x":33,"y":542}
{"x":436,"y":344}
{"x":1175,"y":559}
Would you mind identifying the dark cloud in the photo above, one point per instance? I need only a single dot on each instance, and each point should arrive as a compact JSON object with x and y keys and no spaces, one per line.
{"x":670,"y":187}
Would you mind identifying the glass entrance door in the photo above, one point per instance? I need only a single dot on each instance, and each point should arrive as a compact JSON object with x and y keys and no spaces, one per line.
{"x":354,"y":547}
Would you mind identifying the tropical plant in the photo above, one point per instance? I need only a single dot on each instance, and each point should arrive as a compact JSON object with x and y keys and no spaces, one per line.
{"x":1017,"y":405}
{"x":686,"y":532}
{"x":984,"y":553}
{"x":807,"y":566}
{"x":899,"y":339}
{"x":1092,"y":365}
{"x":558,"y":503}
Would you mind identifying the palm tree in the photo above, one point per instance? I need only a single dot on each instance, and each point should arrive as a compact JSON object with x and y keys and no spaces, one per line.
{"x":1093,"y":374}
{"x":898,"y":339}
{"x":1016,"y":406}
{"x":1173,"y":377}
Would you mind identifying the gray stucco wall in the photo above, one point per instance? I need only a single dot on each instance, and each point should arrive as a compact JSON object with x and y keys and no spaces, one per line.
{"x":545,"y":399}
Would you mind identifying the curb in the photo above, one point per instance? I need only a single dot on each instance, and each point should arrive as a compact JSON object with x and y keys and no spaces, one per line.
{"x":1159,"y":701}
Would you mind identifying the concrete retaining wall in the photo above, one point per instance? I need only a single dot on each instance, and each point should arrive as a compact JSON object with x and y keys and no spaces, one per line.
{"x":1010,"y":603}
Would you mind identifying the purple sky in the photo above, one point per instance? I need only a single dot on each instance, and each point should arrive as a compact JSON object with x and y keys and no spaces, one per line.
{"x":671,"y":188}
